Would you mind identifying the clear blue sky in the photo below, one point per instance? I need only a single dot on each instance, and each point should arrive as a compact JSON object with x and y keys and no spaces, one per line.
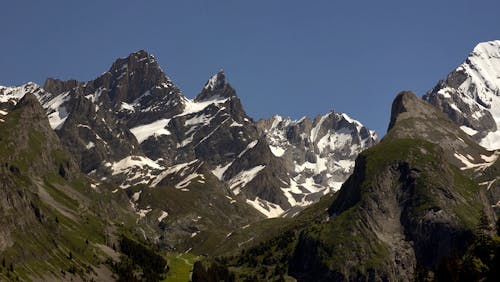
{"x":291,"y":58}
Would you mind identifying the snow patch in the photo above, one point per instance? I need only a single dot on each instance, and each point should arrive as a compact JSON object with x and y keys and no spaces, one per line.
{"x":191,"y":106}
{"x":489,"y":160}
{"x":57,"y":113}
{"x":90,"y":145}
{"x":157,"y":128}
{"x":186,"y":181}
{"x":219,"y":170}
{"x":249,"y":146}
{"x":136,"y":196}
{"x":213,"y":82}
{"x":162,"y":216}
{"x":243,"y":178}
{"x":127,"y":107}
{"x":277,"y":151}
{"x":270,"y":210}
{"x":235,"y":124}
{"x":133,"y":161}
{"x":315,"y":130}
{"x":142,"y":213}
{"x":468,"y":130}
{"x":178,"y":168}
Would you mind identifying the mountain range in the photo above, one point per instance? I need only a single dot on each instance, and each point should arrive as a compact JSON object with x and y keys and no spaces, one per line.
{"x":97,"y":175}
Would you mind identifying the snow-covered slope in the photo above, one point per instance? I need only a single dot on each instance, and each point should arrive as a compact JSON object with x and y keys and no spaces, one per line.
{"x":470,"y":95}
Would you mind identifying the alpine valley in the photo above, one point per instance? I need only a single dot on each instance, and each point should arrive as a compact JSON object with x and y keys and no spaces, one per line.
{"x":124,"y":178}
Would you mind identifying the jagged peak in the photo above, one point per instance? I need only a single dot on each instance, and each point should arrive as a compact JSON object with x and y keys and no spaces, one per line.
{"x":140,"y":57}
{"x":217,"y":81}
{"x":216,"y":86}
{"x":131,"y":77}
{"x":141,"y":53}
{"x":338,"y":116}
{"x":349,"y":119}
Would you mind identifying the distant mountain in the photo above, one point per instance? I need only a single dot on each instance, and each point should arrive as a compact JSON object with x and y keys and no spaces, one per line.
{"x":317,"y":155}
{"x":132,"y":125}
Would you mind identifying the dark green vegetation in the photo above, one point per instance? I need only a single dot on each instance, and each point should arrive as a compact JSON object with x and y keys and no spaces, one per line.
{"x":480,"y":262}
{"x":139,"y":263}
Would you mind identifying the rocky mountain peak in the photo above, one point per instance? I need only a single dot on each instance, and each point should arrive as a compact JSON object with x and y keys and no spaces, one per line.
{"x":470,"y":95}
{"x":217,"y":81}
{"x":131,"y":77}
{"x":413,"y":118}
{"x":216,"y":87}
{"x":135,"y":60}
{"x":407,"y":104}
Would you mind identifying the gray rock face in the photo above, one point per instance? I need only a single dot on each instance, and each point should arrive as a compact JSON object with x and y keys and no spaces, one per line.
{"x":93,"y":119}
{"x":94,"y":136}
{"x":384,"y":238}
{"x":57,"y":86}
{"x":12,"y":201}
{"x":269,"y":176}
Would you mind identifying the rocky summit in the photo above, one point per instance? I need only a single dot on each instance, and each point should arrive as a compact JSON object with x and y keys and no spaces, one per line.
{"x":125,"y":178}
